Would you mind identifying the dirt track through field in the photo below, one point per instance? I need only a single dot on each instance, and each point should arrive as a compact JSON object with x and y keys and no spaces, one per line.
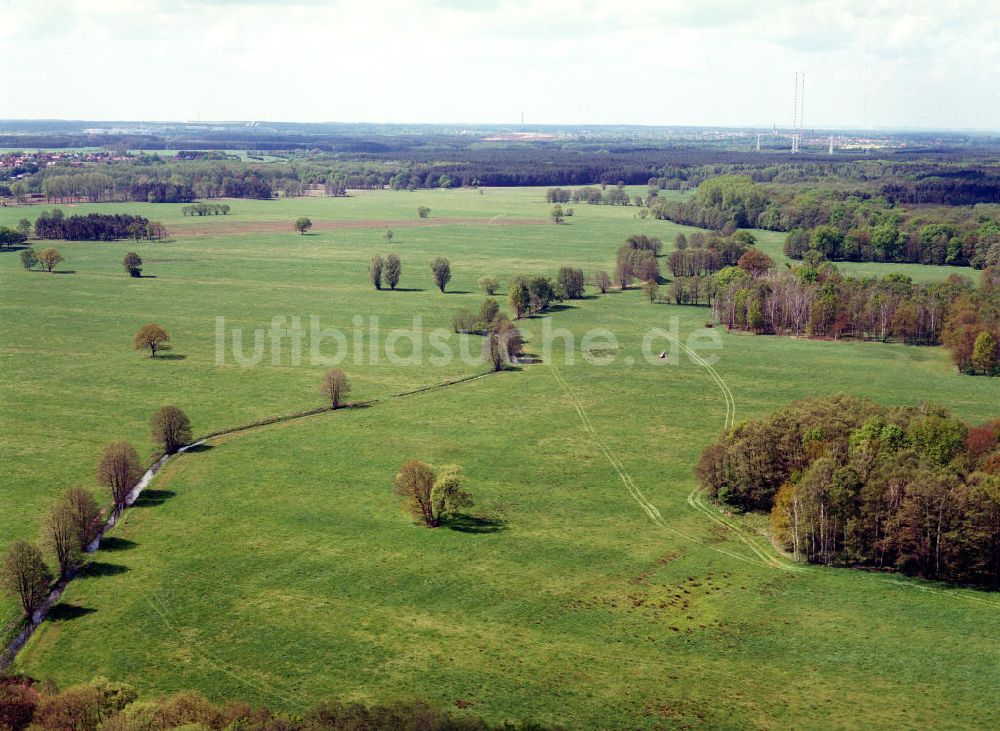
{"x":227,"y":226}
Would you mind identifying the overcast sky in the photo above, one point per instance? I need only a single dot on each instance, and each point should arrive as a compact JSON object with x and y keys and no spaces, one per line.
{"x":930,"y":63}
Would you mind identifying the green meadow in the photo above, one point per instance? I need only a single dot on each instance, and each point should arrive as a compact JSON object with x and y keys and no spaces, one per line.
{"x":590,"y":585}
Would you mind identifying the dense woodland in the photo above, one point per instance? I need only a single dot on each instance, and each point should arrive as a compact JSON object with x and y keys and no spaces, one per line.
{"x":96,"y":227}
{"x":850,"y":482}
{"x":855,"y":224}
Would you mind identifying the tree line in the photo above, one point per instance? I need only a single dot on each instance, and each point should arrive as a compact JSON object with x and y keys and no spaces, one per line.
{"x":848,"y":226}
{"x":817,"y":300}
{"x":74,"y":521}
{"x":849,"y":482}
{"x":96,"y":227}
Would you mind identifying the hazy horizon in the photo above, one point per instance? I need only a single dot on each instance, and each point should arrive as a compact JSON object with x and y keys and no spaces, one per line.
{"x":717,"y":63}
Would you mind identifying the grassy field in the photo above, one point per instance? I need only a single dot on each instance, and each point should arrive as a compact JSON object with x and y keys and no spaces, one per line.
{"x":277,"y":566}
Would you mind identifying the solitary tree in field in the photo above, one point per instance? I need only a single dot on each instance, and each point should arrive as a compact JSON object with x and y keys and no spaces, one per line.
{"x":60,"y":537}
{"x":603,"y":281}
{"x":335,"y":387}
{"x":389,"y":235}
{"x":171,"y":429}
{"x":557,"y":214}
{"x":29,"y":259}
{"x":303,"y":224}
{"x":25,"y":576}
{"x":429,"y":495}
{"x":489,"y":285}
{"x":375,"y":271}
{"x":133,"y":264}
{"x":50,"y":259}
{"x":119,"y":470}
{"x":442,"y":272}
{"x":153,"y":337}
{"x":423,"y":211}
{"x":84,"y":513}
{"x":393,"y":270}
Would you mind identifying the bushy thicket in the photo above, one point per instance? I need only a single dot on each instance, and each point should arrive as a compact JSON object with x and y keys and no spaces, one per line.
{"x":112,"y":706}
{"x":847,"y":481}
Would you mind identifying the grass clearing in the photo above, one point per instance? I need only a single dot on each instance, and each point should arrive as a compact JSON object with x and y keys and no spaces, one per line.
{"x":560,"y":600}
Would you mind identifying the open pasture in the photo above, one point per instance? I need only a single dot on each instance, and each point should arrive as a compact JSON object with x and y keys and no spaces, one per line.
{"x":562,"y":597}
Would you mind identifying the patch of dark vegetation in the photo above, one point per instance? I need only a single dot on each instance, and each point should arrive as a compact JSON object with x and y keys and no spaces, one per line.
{"x":849,"y":482}
{"x":25,"y":703}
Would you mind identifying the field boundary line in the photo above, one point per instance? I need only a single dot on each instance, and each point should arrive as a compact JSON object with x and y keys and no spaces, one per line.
{"x":29,"y":625}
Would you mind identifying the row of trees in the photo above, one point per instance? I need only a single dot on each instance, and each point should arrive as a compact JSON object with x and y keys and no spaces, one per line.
{"x":847,"y":481}
{"x":206,"y":209}
{"x":47,"y":259}
{"x":74,"y":521}
{"x":391,"y":268}
{"x":927,"y":238}
{"x":150,"y":179}
{"x":841,"y":226}
{"x":15,"y":236}
{"x":96,"y":227}
{"x":818,"y":301}
{"x":604,"y":195}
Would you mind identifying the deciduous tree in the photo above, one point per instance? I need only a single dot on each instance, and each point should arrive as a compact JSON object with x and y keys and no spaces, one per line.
{"x":393,"y":270}
{"x":171,"y":429}
{"x":303,"y":224}
{"x":59,"y":535}
{"x":335,"y":387}
{"x":603,"y":281}
{"x":85,"y":514}
{"x":29,"y":259}
{"x":120,"y":471}
{"x":489,"y":285}
{"x":441,"y":269}
{"x":431,"y":496}
{"x":153,"y":337}
{"x":651,"y":289}
{"x":571,"y":281}
{"x":520,"y":298}
{"x":133,"y":264}
{"x":50,"y":259}
{"x":25,"y":576}
{"x":984,"y":354}
{"x":375,"y":271}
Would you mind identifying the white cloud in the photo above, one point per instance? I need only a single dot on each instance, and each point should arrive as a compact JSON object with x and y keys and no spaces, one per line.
{"x":932,"y":64}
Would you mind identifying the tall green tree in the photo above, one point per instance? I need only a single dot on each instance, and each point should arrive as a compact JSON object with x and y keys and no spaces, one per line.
{"x":441,"y":269}
{"x":375,"y":271}
{"x":393,"y":270}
